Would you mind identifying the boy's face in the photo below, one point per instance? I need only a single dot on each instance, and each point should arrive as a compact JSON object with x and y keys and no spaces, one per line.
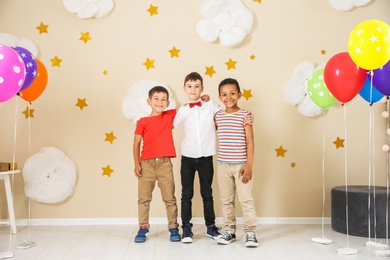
{"x":193,"y":89}
{"x":229,"y":95}
{"x":159,"y":102}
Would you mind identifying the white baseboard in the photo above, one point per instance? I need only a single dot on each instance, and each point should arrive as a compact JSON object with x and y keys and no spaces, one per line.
{"x":134,"y":221}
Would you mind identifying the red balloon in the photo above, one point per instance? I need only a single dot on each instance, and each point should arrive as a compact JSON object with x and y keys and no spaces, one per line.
{"x":37,"y":86}
{"x":343,"y":77}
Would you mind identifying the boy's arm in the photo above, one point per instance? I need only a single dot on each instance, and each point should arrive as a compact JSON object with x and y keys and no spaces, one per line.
{"x":136,"y":155}
{"x":246,"y":170}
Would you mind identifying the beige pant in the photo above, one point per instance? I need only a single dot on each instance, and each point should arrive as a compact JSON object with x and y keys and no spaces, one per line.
{"x":160,"y":170}
{"x":229,"y":182}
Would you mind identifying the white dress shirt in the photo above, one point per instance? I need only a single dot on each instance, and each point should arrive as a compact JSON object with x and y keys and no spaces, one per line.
{"x":199,"y":129}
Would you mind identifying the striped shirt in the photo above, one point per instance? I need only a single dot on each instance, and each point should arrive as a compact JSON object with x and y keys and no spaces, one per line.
{"x":231,"y":136}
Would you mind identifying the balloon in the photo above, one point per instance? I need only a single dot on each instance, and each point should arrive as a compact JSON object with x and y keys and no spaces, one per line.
{"x":381,"y":79}
{"x":37,"y":86}
{"x":369,"y":44}
{"x":343,"y":77}
{"x":12,"y":73}
{"x":318,"y":92}
{"x":30,"y":64}
{"x":369,"y":93}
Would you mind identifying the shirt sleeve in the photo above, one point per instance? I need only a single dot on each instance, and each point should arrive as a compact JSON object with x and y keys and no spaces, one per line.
{"x":178,"y":119}
{"x":244,"y":122}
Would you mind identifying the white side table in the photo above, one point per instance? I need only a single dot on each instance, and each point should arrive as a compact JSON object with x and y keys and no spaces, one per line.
{"x":7,"y":183}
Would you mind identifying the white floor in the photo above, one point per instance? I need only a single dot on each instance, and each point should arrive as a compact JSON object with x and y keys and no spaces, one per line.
{"x":113,"y":242}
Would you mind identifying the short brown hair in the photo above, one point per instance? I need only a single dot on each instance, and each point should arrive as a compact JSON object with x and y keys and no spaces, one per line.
{"x":158,"y":89}
{"x":193,"y":76}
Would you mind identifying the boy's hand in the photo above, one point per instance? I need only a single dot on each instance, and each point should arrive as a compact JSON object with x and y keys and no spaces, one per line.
{"x":205,"y":98}
{"x":249,"y":118}
{"x":246,"y":173}
{"x":138,"y":171}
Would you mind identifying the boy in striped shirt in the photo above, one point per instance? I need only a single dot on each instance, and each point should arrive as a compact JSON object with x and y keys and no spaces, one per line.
{"x":235,"y":161}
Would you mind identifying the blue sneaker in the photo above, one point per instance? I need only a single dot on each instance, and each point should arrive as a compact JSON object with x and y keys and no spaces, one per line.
{"x":142,"y":233}
{"x":213,"y":232}
{"x":187,"y":234}
{"x":174,"y":236}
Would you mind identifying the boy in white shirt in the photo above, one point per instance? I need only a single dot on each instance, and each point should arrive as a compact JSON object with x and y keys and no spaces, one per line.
{"x":197,"y":149}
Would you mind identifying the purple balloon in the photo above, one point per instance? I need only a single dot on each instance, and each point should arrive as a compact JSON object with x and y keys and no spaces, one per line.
{"x":381,"y":79}
{"x":30,"y":64}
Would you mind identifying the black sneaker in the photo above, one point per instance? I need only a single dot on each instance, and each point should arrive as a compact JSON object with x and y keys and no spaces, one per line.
{"x":187,"y":234}
{"x":213,"y":232}
{"x":226,"y":238}
{"x":251,"y":240}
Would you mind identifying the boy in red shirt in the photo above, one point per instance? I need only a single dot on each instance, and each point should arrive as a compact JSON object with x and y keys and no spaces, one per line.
{"x":154,"y":162}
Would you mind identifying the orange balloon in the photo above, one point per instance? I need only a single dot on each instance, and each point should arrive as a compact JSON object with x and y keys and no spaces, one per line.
{"x":37,"y":87}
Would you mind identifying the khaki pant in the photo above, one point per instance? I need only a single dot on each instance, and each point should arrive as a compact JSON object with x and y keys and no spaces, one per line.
{"x":160,"y":170}
{"x":229,"y":182}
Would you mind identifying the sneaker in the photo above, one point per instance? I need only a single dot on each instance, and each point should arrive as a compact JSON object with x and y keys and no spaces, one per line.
{"x":213,"y":232}
{"x":251,"y":240}
{"x":187,"y":234}
{"x":142,"y":234}
{"x":174,"y":234}
{"x":226,"y":238}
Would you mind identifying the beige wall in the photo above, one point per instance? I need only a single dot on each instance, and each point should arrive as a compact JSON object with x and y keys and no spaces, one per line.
{"x":284,"y":34}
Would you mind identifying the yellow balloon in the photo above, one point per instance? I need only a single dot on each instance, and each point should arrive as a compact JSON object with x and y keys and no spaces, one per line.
{"x":369,"y":44}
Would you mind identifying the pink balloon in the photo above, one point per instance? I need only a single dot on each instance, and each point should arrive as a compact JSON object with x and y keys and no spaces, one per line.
{"x":12,"y":73}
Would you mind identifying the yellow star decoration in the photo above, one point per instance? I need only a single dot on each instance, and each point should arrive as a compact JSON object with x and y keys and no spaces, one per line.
{"x":85,"y":37}
{"x":253,"y":57}
{"x":174,"y":52}
{"x":231,"y":64}
{"x":105,"y":72}
{"x":339,"y":143}
{"x":107,"y":171}
{"x":323,"y":52}
{"x":247,"y":94}
{"x":292,"y":165}
{"x":42,"y":28}
{"x":28,"y":112}
{"x":81,"y":103}
{"x":149,"y":64}
{"x":110,"y":137}
{"x":56,"y":61}
{"x":210,"y":71}
{"x":280,"y":151}
{"x":259,"y":1}
{"x":152,"y":10}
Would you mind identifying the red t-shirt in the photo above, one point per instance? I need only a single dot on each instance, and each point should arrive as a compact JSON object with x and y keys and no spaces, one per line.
{"x":156,"y":132}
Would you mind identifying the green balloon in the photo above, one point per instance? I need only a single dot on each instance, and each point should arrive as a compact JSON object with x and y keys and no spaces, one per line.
{"x":318,"y":92}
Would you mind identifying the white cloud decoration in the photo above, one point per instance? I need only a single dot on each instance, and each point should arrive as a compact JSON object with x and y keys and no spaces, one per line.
{"x":228,"y":20}
{"x":295,"y":91}
{"x":89,"y":8}
{"x":13,"y":41}
{"x":49,"y":176}
{"x":134,"y":104}
{"x":346,"y":5}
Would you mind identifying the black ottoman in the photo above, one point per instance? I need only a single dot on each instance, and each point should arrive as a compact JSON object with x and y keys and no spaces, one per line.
{"x":358,"y":210}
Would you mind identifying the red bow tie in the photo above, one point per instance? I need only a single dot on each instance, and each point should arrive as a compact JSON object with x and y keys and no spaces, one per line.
{"x":195,"y":104}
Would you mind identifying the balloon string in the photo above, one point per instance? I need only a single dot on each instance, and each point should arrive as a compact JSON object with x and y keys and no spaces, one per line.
{"x":346,"y":172}
{"x":387,"y":178}
{"x":29,"y":172}
{"x":369,"y":173}
{"x":13,"y":163}
{"x":323,"y":174}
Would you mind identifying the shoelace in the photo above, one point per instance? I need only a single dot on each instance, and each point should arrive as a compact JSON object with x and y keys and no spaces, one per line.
{"x":187,"y":232}
{"x":215,"y":231}
{"x":251,"y":237}
{"x":227,"y":236}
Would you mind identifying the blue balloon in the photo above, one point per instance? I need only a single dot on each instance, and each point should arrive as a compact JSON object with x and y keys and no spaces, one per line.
{"x":369,"y":93}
